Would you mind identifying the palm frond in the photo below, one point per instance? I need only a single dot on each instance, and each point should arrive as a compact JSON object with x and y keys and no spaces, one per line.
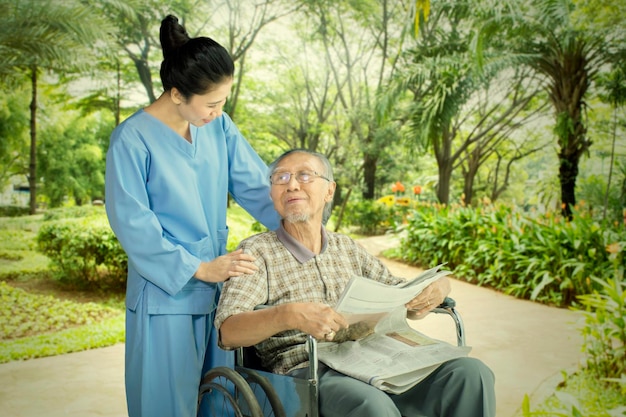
{"x":50,"y":34}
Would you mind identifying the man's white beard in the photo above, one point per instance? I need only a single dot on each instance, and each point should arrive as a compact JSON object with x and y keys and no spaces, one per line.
{"x":297,"y":218}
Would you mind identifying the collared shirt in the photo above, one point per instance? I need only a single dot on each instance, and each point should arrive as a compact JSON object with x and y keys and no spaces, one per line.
{"x":290,"y":273}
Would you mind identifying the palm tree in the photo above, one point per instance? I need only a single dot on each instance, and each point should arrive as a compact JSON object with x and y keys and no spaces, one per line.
{"x":543,"y":35}
{"x":43,"y":35}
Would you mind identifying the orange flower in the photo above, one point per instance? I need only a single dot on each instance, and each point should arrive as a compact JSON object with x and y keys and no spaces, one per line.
{"x":417,"y":189}
{"x":397,"y":187}
{"x":613,"y":247}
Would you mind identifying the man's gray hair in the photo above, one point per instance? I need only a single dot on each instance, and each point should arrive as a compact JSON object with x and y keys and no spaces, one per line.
{"x":328,"y":208}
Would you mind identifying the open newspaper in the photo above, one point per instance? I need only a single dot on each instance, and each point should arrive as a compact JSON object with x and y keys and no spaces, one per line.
{"x":380,"y":347}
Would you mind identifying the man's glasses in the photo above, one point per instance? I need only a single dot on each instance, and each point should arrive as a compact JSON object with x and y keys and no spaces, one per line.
{"x":303,"y":177}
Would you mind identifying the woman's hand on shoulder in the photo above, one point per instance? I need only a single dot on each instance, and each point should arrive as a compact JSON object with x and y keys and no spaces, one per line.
{"x":223,"y":267}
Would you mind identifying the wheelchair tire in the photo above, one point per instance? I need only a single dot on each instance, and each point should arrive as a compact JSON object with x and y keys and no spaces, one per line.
{"x":231,"y":396}
{"x":266,"y":395}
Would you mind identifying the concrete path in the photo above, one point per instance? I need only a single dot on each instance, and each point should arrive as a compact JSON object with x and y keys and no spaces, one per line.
{"x":527,"y":345}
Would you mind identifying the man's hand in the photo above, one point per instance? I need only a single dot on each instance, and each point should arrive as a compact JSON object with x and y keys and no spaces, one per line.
{"x":317,"y":319}
{"x":429,"y":299}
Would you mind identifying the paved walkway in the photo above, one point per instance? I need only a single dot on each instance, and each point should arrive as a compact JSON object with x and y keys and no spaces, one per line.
{"x":526,"y":344}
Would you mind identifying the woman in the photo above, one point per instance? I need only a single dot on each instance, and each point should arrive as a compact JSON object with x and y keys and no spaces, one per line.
{"x":170,"y":168}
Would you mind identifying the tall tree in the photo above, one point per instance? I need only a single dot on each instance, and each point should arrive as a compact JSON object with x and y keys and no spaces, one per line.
{"x":13,"y":133}
{"x":303,"y":102}
{"x":70,"y":152}
{"x":44,"y":36}
{"x":235,"y":24}
{"x":362,"y":42}
{"x":244,"y":22}
{"x":544,"y":35}
{"x":488,"y":127}
{"x":136,"y":32}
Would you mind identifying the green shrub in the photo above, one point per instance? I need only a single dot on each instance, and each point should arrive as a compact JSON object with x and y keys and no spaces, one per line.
{"x":579,"y":395}
{"x":542,"y":258}
{"x":13,"y":211}
{"x":84,"y":252}
{"x":73,"y":212}
{"x":605,"y":328}
{"x":372,"y":218}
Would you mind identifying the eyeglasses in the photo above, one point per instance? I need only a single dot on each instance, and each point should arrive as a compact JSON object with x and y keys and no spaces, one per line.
{"x":303,"y":177}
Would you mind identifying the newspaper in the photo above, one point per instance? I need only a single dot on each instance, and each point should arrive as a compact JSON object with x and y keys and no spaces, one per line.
{"x":380,"y":347}
{"x":365,"y":301}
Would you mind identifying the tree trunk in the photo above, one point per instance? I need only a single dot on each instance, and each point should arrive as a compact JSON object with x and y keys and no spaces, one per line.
{"x":118,"y":97}
{"x":570,"y":79}
{"x":231,"y":104}
{"x":342,"y":209}
{"x":143,"y":69}
{"x":568,"y":171}
{"x":572,"y":145}
{"x":32,"y":167}
{"x":608,"y":181}
{"x":443,"y":186}
{"x":468,"y":184}
{"x":369,"y":175}
{"x":443,"y":152}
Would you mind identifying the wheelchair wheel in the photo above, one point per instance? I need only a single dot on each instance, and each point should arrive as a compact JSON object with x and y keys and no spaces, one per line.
{"x":225,"y":393}
{"x":266,"y":395}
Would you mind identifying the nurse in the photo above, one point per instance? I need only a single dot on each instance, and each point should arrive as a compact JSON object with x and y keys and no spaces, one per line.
{"x":170,"y":168}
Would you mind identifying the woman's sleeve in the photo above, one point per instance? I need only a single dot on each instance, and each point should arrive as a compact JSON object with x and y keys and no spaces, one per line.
{"x":249,"y":178}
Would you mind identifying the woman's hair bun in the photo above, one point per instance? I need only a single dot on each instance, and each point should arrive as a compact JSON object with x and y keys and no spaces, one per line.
{"x":172,"y":35}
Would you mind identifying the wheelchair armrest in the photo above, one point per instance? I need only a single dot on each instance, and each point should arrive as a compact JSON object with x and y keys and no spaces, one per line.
{"x":447,"y":303}
{"x":448,"y":306}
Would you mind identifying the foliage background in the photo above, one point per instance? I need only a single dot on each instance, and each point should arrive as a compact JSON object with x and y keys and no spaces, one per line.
{"x":444,"y":94}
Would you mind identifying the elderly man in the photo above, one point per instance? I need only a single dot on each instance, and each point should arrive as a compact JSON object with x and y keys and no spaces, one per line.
{"x":302,"y":271}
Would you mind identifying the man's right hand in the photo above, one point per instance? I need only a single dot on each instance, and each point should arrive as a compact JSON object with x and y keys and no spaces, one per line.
{"x":317,"y":319}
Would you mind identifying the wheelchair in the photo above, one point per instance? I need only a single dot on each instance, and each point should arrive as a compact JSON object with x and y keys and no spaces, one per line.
{"x":250,"y":391}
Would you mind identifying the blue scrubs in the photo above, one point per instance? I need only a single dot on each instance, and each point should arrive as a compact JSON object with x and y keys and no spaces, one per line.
{"x":166,"y":201}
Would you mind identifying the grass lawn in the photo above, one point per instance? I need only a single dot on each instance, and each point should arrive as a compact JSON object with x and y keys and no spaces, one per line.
{"x":41,"y":317}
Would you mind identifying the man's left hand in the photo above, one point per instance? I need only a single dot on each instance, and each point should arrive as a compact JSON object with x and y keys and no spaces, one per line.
{"x":429,"y":299}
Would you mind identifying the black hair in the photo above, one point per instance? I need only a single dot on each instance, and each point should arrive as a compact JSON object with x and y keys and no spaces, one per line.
{"x":191,"y":65}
